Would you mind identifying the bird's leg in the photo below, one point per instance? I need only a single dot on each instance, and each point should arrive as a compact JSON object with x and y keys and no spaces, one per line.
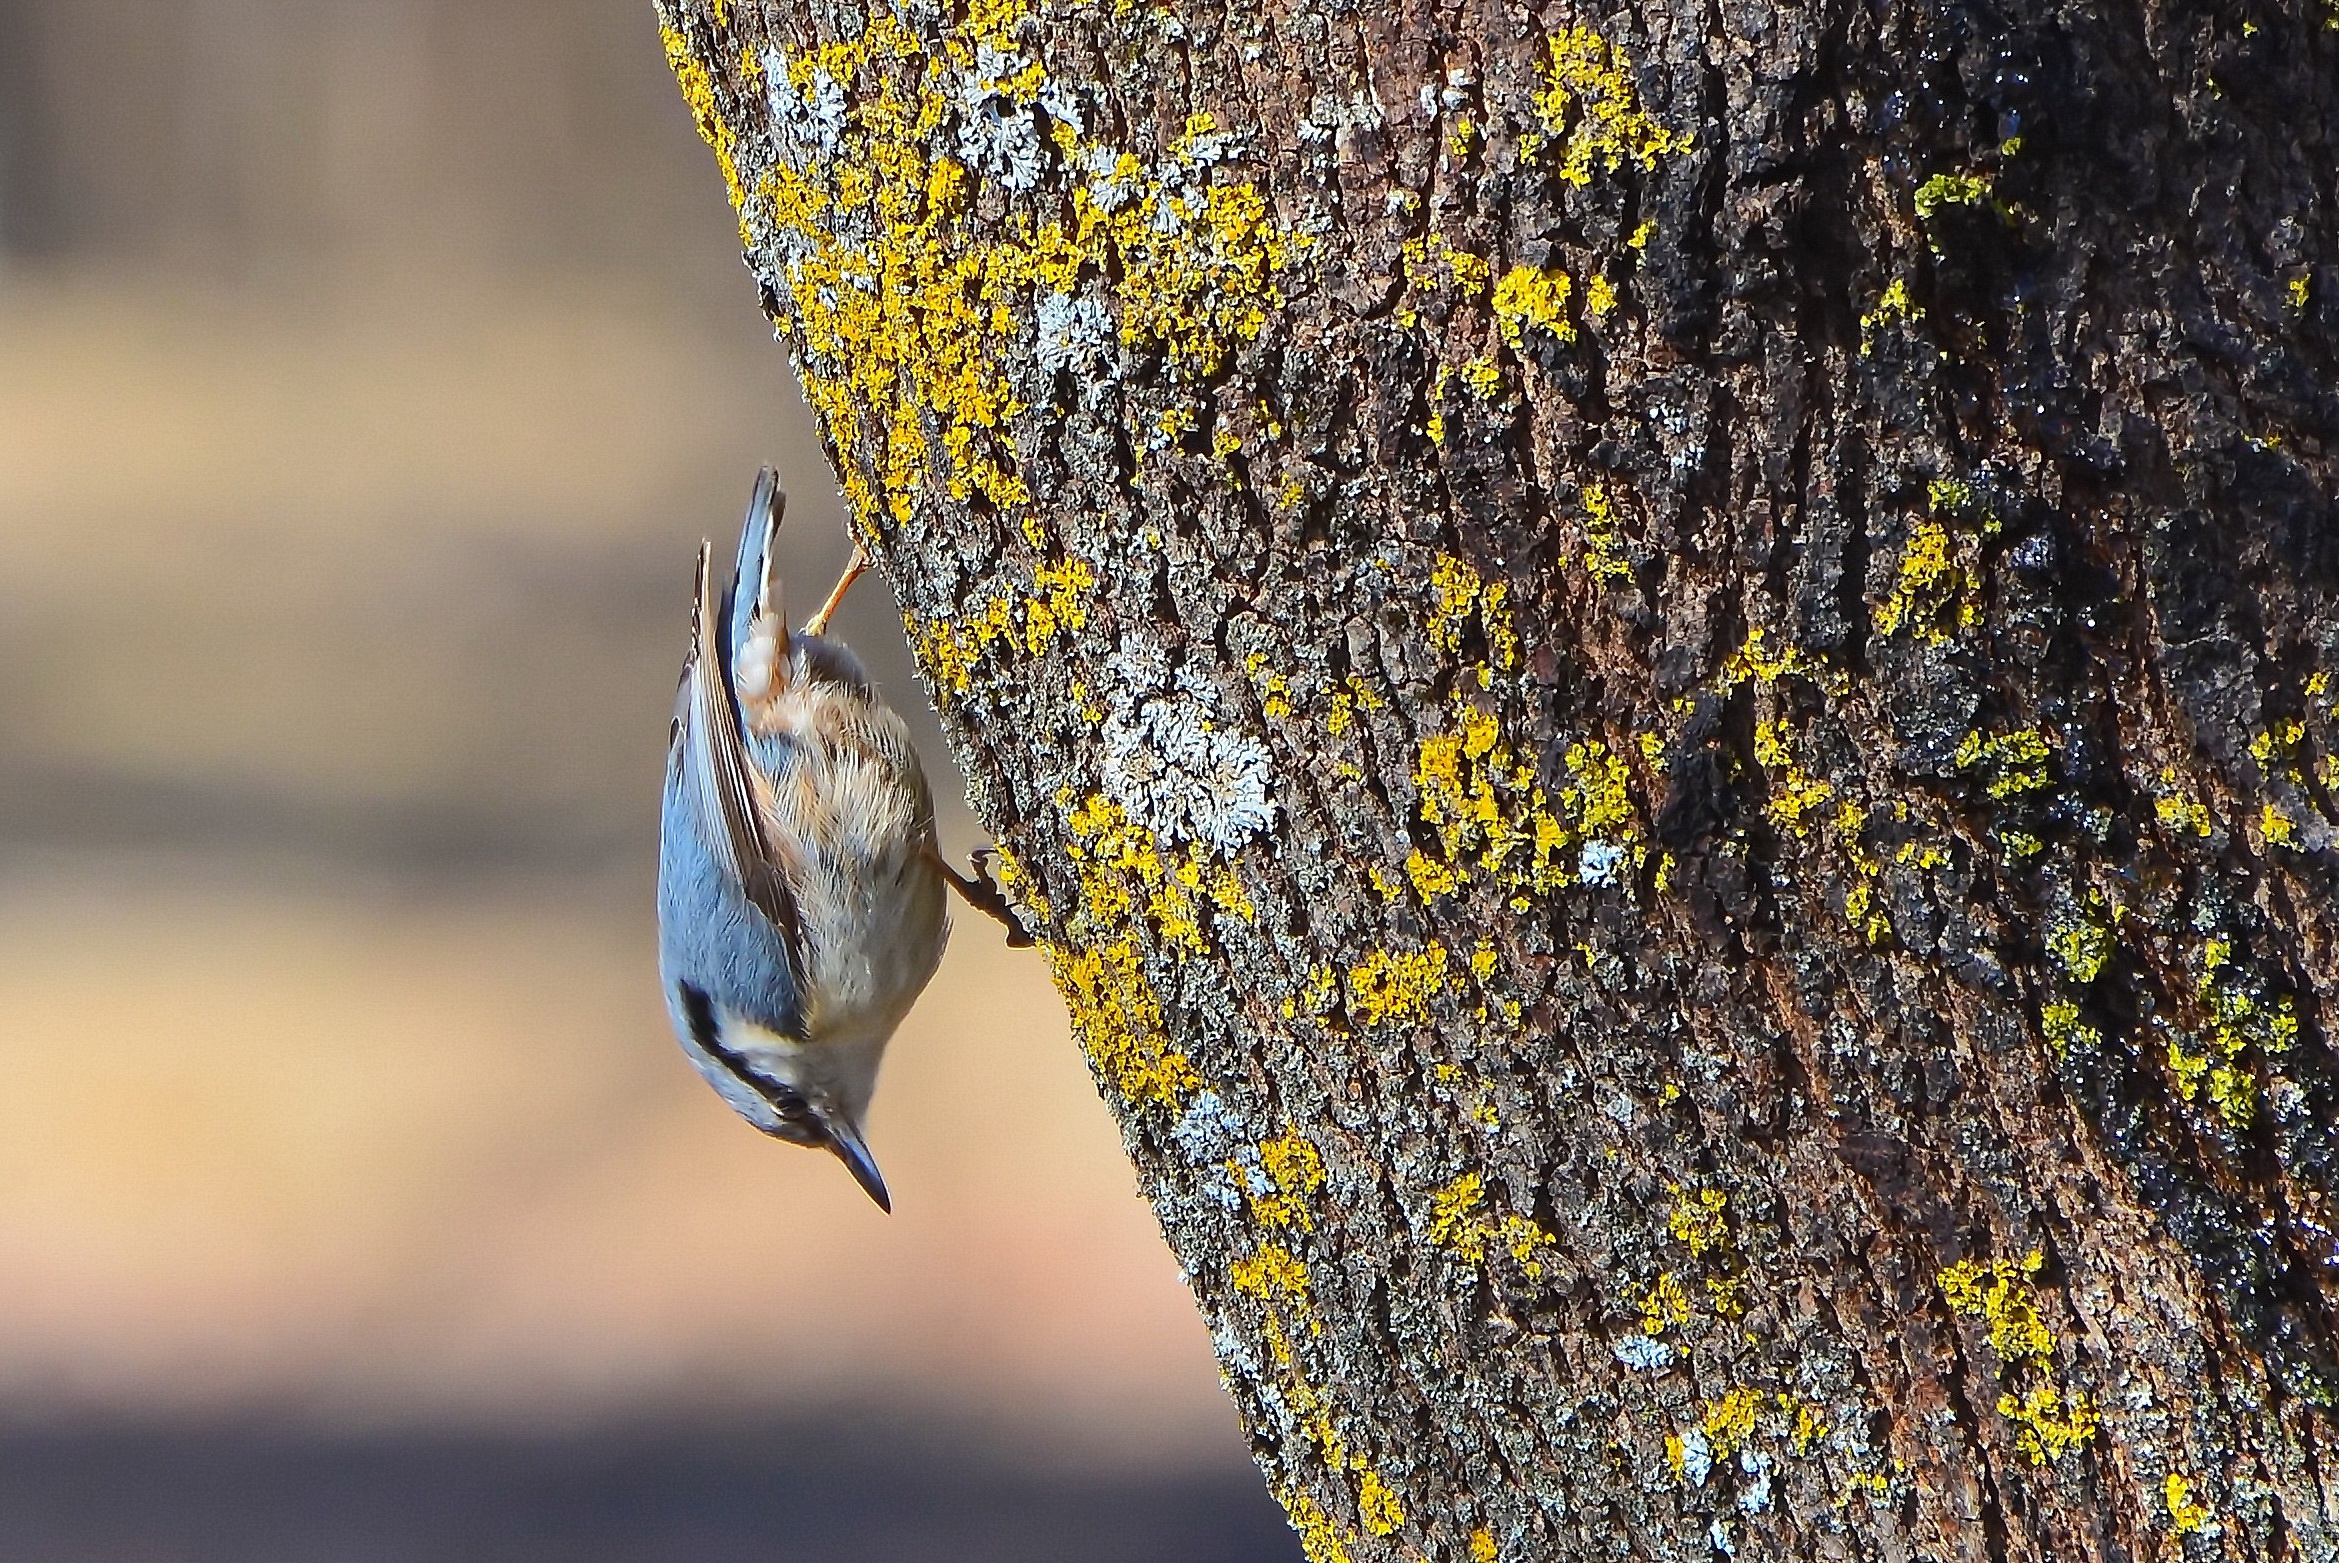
{"x":982,"y":892}
{"x":818,"y":623}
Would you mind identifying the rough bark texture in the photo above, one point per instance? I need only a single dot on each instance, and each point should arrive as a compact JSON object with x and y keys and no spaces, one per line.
{"x":1663,"y":680}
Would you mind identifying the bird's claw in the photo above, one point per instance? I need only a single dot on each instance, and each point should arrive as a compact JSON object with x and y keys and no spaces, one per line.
{"x":982,"y":892}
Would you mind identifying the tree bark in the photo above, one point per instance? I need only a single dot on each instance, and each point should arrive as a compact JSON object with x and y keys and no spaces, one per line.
{"x":1663,"y":684}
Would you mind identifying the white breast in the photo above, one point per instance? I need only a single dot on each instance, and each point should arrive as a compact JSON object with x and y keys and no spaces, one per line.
{"x":854,"y":807}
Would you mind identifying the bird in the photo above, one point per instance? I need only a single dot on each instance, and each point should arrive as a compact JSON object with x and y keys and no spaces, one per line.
{"x":801,"y":894}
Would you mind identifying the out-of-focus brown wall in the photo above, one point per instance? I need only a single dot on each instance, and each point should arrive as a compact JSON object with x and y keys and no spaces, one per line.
{"x":233,"y":136}
{"x":368,"y":372}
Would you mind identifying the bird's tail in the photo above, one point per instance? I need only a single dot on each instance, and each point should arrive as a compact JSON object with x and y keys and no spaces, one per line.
{"x":755,"y":618}
{"x":755,"y":590}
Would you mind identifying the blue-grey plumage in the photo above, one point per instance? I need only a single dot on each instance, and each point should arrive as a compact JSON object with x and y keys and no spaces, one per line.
{"x":800,"y":892}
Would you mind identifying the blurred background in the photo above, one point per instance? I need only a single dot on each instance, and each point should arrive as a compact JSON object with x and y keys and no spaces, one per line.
{"x":368,"y":371}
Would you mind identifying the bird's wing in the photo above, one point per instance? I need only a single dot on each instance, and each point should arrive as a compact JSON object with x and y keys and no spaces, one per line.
{"x":722,"y":778}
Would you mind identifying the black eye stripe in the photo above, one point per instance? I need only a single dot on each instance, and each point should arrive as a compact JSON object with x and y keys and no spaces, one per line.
{"x":698,"y":1012}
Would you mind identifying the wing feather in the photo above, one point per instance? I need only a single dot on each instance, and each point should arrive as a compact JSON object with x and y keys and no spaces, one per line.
{"x":722,"y":778}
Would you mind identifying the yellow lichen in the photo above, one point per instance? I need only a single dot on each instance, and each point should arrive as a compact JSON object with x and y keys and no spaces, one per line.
{"x":1533,"y":296}
{"x":1665,"y":1304}
{"x":1118,"y":1021}
{"x":1396,"y":985}
{"x":1057,"y":597}
{"x":1459,"y":1223}
{"x":2185,"y":1516}
{"x":2059,"y":1019}
{"x":1794,"y":793}
{"x":1294,"y":1171}
{"x":1430,"y":877}
{"x":1453,"y":1211}
{"x":2048,"y":1424}
{"x":2240,"y":1015}
{"x":1950,"y":190}
{"x":1274,"y":689}
{"x":2188,"y":1068}
{"x":1459,"y":597}
{"x":1197,"y":278}
{"x":1432,"y":263}
{"x":1999,"y":1293}
{"x":1860,"y":908}
{"x":1377,"y":1505}
{"x":1123,"y":867}
{"x":1809,"y":1426}
{"x":1454,"y":587}
{"x":2178,"y":812}
{"x":1597,"y":797}
{"x":1928,"y":592}
{"x":1894,"y":305}
{"x":1319,"y":1539}
{"x":1700,"y":1220}
{"x":909,"y":318}
{"x":1489,"y":814}
{"x":2049,"y":1421}
{"x":2011,"y":764}
{"x":2080,"y":945}
{"x":1729,"y":1421}
{"x":1754,"y":662}
{"x":1272,"y":1274}
{"x":1677,"y":1456}
{"x":698,"y":93}
{"x":1604,"y":558}
{"x":1588,"y":101}
{"x":1873,"y":1484}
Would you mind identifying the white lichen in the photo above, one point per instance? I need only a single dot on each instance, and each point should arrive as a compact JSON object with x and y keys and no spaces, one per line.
{"x":1599,"y":862}
{"x":1073,"y":332}
{"x":1063,"y":106}
{"x":1237,"y":1356}
{"x":1170,"y":763}
{"x":1697,"y":1457}
{"x":811,"y":122}
{"x":997,"y":135}
{"x":1110,"y":186}
{"x":1644,"y":1354}
{"x":1213,"y":146}
{"x":1208,"y":1129}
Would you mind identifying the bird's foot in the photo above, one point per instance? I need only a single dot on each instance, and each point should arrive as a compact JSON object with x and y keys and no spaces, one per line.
{"x":818,"y":623}
{"x":982,"y":892}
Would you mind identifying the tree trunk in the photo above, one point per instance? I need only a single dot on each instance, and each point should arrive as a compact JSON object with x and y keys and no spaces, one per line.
{"x":1663,"y":684}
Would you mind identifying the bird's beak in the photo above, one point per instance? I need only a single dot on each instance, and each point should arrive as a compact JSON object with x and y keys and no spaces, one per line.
{"x":844,"y":1140}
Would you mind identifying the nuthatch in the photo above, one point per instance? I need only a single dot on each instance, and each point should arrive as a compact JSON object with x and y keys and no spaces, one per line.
{"x":800,"y":890}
